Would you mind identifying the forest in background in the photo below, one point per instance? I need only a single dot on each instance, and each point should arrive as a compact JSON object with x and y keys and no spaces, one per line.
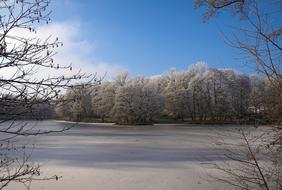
{"x":198,"y":95}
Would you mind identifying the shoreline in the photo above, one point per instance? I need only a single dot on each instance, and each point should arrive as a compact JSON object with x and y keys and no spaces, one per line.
{"x":155,"y":124}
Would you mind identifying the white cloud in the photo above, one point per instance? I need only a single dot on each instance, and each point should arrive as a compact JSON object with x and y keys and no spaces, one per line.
{"x":75,"y":50}
{"x":79,"y":52}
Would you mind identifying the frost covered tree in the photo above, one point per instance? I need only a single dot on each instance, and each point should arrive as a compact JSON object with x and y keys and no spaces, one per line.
{"x":241,"y":92}
{"x":176,"y":95}
{"x":103,"y":100}
{"x":76,"y":105}
{"x":137,"y":102}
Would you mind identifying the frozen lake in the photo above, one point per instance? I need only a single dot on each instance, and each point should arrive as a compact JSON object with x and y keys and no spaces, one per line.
{"x":105,"y":157}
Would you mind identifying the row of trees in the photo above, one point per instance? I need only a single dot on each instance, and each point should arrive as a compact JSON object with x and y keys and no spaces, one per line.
{"x":199,"y":94}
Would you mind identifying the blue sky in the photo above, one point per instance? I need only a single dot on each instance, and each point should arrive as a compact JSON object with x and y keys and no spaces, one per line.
{"x":148,"y":37}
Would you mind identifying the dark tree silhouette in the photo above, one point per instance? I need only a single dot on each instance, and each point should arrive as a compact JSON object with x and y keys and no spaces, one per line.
{"x":259,"y":167}
{"x":22,"y":92}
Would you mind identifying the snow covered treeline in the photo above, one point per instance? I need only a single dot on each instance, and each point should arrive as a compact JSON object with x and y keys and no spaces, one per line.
{"x":199,"y":94}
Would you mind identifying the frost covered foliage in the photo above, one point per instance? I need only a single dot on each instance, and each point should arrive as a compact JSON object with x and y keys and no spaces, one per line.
{"x":137,"y":102}
{"x":76,"y":105}
{"x":200,"y":94}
